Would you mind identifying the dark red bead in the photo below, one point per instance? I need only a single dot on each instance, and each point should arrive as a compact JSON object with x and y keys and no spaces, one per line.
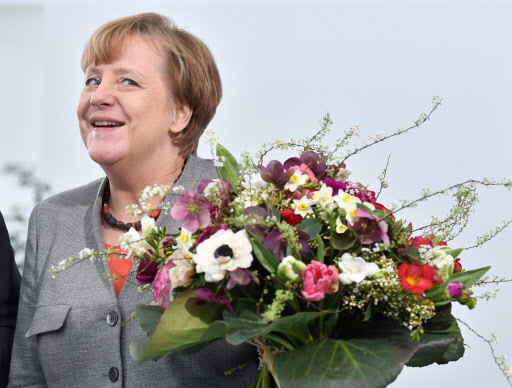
{"x":155,"y":213}
{"x":105,"y":210}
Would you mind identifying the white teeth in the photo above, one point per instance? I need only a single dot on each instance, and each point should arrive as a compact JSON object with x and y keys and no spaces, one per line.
{"x":105,"y":123}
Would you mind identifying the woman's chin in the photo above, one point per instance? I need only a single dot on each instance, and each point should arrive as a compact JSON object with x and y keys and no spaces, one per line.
{"x":105,"y":157}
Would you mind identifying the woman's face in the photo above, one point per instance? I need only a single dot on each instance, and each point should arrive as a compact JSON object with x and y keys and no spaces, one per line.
{"x":126,"y":111}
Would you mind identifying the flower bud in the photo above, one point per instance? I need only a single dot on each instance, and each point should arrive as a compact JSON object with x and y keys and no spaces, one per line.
{"x":290,"y":269}
{"x":455,"y":290}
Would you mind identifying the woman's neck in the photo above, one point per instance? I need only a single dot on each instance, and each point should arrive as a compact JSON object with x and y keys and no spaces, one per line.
{"x":128,"y":181}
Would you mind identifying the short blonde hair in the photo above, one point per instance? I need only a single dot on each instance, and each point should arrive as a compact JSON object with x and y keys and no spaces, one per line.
{"x":193,"y":75}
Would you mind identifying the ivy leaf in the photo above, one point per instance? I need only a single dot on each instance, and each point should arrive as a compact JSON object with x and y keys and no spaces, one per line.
{"x":354,"y":363}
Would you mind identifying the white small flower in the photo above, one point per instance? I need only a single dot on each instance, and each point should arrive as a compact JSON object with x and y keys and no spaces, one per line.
{"x":224,"y":251}
{"x":296,"y":180}
{"x":440,"y":259}
{"x":181,"y":274}
{"x":303,"y":206}
{"x":253,"y":181}
{"x":355,"y":269}
{"x":323,"y":197}
{"x":340,"y":227}
{"x":348,"y":203}
{"x":148,"y":224}
{"x":178,"y":189}
{"x":84,"y":253}
{"x":184,"y":240}
{"x":342,"y":175}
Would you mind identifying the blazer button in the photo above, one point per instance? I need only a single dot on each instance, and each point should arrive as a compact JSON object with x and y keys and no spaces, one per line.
{"x":112,"y":318}
{"x":113,"y":374}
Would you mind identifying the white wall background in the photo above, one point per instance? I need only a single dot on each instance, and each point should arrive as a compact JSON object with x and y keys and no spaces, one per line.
{"x":284,"y":64}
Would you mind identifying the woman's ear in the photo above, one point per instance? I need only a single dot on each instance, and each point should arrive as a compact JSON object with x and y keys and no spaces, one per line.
{"x":181,"y":118}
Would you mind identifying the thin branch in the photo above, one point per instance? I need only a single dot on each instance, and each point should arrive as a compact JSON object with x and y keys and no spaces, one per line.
{"x":417,"y":123}
{"x":492,"y":349}
{"x":383,"y":178}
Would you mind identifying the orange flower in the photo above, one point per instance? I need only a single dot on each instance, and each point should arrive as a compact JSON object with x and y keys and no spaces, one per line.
{"x":415,"y":277}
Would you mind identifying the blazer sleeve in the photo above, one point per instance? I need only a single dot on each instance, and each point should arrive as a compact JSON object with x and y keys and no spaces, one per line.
{"x":25,"y":368}
{"x":9,"y":294}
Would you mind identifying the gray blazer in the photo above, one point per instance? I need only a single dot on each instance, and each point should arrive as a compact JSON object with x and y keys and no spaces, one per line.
{"x":72,"y":331}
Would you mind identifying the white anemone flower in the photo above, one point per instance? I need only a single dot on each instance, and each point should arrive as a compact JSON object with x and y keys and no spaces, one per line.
{"x":355,"y":269}
{"x":224,"y":251}
{"x":296,"y":180}
{"x":342,"y":174}
{"x":303,"y":206}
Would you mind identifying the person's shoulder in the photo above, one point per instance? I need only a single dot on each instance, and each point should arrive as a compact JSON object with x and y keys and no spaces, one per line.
{"x":197,"y":168}
{"x":80,"y":196}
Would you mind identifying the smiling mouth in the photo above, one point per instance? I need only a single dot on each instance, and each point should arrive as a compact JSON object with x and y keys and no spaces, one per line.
{"x":106,"y":124}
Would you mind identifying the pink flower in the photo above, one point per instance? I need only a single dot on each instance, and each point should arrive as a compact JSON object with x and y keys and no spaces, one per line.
{"x":162,"y":285}
{"x":319,"y":279}
{"x":193,"y":210}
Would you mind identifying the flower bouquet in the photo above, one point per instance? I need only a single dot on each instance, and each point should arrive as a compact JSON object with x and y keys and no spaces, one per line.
{"x":304,"y":263}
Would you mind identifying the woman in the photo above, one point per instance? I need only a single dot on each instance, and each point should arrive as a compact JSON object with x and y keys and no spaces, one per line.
{"x":149,"y":93}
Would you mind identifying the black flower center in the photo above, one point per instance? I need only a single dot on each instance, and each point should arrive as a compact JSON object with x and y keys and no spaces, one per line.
{"x":223,"y":251}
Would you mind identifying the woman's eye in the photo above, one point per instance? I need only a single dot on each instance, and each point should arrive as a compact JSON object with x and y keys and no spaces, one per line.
{"x":92,"y":82}
{"x":129,"y":82}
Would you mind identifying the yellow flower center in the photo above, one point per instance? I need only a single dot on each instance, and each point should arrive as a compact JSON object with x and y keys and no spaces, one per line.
{"x":346,"y":197}
{"x":294,"y":178}
{"x":183,"y":238}
{"x":303,"y":206}
{"x":413,"y":279}
{"x":316,"y":195}
{"x":342,"y":228}
{"x":353,"y":212}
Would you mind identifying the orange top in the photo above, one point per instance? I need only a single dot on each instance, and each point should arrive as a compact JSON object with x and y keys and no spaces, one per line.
{"x":119,"y":268}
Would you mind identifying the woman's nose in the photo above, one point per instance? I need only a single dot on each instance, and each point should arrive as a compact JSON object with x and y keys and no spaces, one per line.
{"x":103,"y":96}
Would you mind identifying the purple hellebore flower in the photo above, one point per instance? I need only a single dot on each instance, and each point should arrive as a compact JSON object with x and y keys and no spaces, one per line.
{"x":370,"y":228}
{"x":352,"y":188}
{"x":275,"y":243}
{"x":146,"y":272}
{"x":258,"y":213}
{"x":314,"y":161}
{"x":204,"y":295}
{"x":193,"y":210}
{"x":275,"y":173}
{"x":455,"y":290}
{"x":241,"y":277}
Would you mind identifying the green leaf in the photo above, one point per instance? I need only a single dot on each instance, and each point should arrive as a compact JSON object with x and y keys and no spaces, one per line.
{"x":456,"y":349}
{"x":244,"y":323}
{"x":264,"y":256}
{"x":320,"y":251}
{"x":469,"y":278}
{"x":452,"y":252}
{"x":183,"y":324}
{"x":439,"y":347}
{"x":311,"y":226}
{"x":149,"y":317}
{"x":413,"y":253}
{"x":354,"y":363}
{"x":230,"y":170}
{"x":343,"y":242}
{"x":436,"y":240}
{"x":432,"y":348}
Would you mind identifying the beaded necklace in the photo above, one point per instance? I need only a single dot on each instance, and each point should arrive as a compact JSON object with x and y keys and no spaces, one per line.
{"x":105,"y":212}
